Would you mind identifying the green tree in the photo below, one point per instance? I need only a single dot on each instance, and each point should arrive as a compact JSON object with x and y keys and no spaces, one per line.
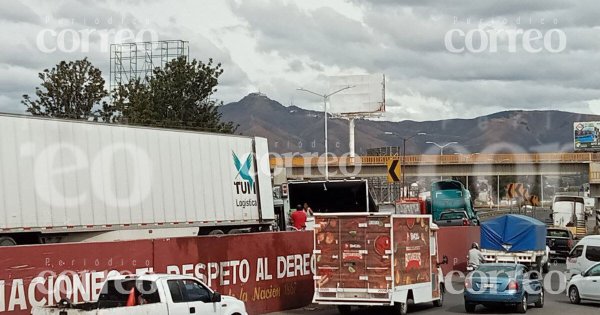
{"x":69,"y":90}
{"x":177,"y":96}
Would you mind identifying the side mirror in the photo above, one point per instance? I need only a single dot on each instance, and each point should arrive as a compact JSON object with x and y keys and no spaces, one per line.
{"x":216,"y":297}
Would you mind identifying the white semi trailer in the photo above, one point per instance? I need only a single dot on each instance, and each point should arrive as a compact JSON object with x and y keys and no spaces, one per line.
{"x":66,"y":181}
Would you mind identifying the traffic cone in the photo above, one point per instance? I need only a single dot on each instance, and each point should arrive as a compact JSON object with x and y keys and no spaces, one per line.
{"x":131,"y":298}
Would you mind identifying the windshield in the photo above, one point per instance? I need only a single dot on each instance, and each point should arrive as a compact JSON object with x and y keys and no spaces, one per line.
{"x":452,"y":216}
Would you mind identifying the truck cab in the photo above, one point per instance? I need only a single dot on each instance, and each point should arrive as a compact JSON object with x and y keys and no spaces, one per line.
{"x":451,"y":195}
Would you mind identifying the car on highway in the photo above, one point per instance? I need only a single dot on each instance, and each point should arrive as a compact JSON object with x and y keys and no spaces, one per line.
{"x":585,"y":254}
{"x":560,"y":241}
{"x":151,"y":294}
{"x":585,"y":286}
{"x":453,"y":218}
{"x":503,"y":283}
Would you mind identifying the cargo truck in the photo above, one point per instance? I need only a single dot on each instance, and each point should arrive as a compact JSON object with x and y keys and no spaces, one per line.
{"x":376,"y":259}
{"x":515,"y":239}
{"x":63,"y":181}
{"x":331,"y":196}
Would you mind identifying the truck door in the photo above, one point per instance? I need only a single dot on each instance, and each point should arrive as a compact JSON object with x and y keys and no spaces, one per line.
{"x":191,"y":297}
{"x":379,"y":255}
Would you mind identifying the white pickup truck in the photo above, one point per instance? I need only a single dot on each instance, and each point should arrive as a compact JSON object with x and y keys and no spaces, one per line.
{"x":151,"y":294}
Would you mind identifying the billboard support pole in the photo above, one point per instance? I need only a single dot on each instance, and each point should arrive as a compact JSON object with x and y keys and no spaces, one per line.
{"x":351,"y":137}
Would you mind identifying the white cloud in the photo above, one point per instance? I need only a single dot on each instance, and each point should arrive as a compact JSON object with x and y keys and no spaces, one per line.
{"x":276,"y":46}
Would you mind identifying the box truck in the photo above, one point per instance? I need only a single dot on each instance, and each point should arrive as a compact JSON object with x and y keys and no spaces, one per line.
{"x":376,"y":259}
{"x":66,"y":180}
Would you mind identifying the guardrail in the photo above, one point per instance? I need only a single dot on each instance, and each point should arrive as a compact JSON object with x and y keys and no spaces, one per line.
{"x":534,"y":158}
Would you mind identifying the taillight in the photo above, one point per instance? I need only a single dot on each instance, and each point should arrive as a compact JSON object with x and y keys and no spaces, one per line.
{"x":570,"y":243}
{"x":466,"y":222}
{"x":468,"y":283}
{"x":513,"y":285}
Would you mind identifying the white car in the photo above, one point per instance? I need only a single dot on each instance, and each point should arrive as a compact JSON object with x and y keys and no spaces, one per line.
{"x":151,"y":294}
{"x":585,"y":286}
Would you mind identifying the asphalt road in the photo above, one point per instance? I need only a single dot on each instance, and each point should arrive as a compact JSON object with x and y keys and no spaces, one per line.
{"x":555,"y":304}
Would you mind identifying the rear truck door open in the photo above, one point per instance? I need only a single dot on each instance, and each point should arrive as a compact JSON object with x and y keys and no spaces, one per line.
{"x":353,"y":258}
{"x":412,"y":251}
{"x":375,"y":259}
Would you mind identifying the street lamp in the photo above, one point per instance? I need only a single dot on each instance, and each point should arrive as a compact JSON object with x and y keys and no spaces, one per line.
{"x":441,"y":146}
{"x":325,"y":97}
{"x":402,"y":166}
{"x":441,"y":149}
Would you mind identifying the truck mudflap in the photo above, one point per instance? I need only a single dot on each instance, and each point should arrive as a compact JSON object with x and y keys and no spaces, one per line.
{"x":365,"y":259}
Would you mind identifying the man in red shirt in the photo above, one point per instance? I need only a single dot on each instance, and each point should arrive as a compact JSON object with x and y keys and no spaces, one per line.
{"x":299,"y":218}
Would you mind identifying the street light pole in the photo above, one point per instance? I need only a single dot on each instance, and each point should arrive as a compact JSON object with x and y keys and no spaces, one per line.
{"x":325,"y":97}
{"x":402,"y":166}
{"x":441,"y":149}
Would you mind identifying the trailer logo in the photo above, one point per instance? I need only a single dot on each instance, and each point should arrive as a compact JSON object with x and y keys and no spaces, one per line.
{"x":245,"y":186}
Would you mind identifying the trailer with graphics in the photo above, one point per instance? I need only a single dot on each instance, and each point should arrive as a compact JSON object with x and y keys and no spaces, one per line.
{"x":63,"y":181}
{"x":376,"y":259}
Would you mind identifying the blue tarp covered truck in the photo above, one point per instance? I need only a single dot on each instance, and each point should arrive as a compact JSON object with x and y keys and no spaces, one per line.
{"x":515,"y":238}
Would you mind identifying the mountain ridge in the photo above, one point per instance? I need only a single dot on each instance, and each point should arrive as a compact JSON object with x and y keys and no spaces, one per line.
{"x":294,"y":129}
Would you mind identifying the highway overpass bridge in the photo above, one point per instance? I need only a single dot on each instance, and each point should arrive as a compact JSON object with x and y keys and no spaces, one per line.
{"x":543,"y":164}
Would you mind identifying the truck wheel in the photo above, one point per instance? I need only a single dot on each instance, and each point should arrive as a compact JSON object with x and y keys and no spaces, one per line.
{"x":522,"y":307}
{"x":7,"y":241}
{"x":216,"y":232}
{"x":546,"y":267}
{"x":401,"y":308}
{"x":440,"y":302}
{"x":470,"y":307}
{"x":344,"y":309}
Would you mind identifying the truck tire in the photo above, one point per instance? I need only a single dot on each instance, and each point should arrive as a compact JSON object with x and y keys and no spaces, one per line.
{"x":440,"y":302}
{"x":546,"y":267}
{"x":7,"y":241}
{"x":401,"y":308}
{"x":216,"y":232}
{"x":344,"y":309}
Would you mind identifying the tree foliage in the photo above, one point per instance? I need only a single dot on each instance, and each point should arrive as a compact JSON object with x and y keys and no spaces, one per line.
{"x":177,"y":96}
{"x":69,"y":90}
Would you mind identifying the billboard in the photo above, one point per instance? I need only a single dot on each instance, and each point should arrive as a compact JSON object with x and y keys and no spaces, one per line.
{"x":366,"y":95}
{"x":587,"y":136}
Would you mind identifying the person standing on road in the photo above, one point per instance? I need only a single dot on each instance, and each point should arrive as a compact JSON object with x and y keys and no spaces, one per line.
{"x":475,"y":256}
{"x":299,"y":218}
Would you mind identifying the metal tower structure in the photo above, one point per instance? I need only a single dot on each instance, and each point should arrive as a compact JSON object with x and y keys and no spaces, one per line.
{"x":131,"y":61}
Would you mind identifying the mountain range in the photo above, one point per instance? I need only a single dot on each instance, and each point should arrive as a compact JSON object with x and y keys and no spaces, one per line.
{"x":293,"y":129}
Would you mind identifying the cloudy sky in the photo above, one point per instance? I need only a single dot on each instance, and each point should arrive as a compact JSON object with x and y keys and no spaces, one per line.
{"x":441,"y":59}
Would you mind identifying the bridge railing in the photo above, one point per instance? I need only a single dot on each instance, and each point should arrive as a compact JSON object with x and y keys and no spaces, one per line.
{"x":518,"y":158}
